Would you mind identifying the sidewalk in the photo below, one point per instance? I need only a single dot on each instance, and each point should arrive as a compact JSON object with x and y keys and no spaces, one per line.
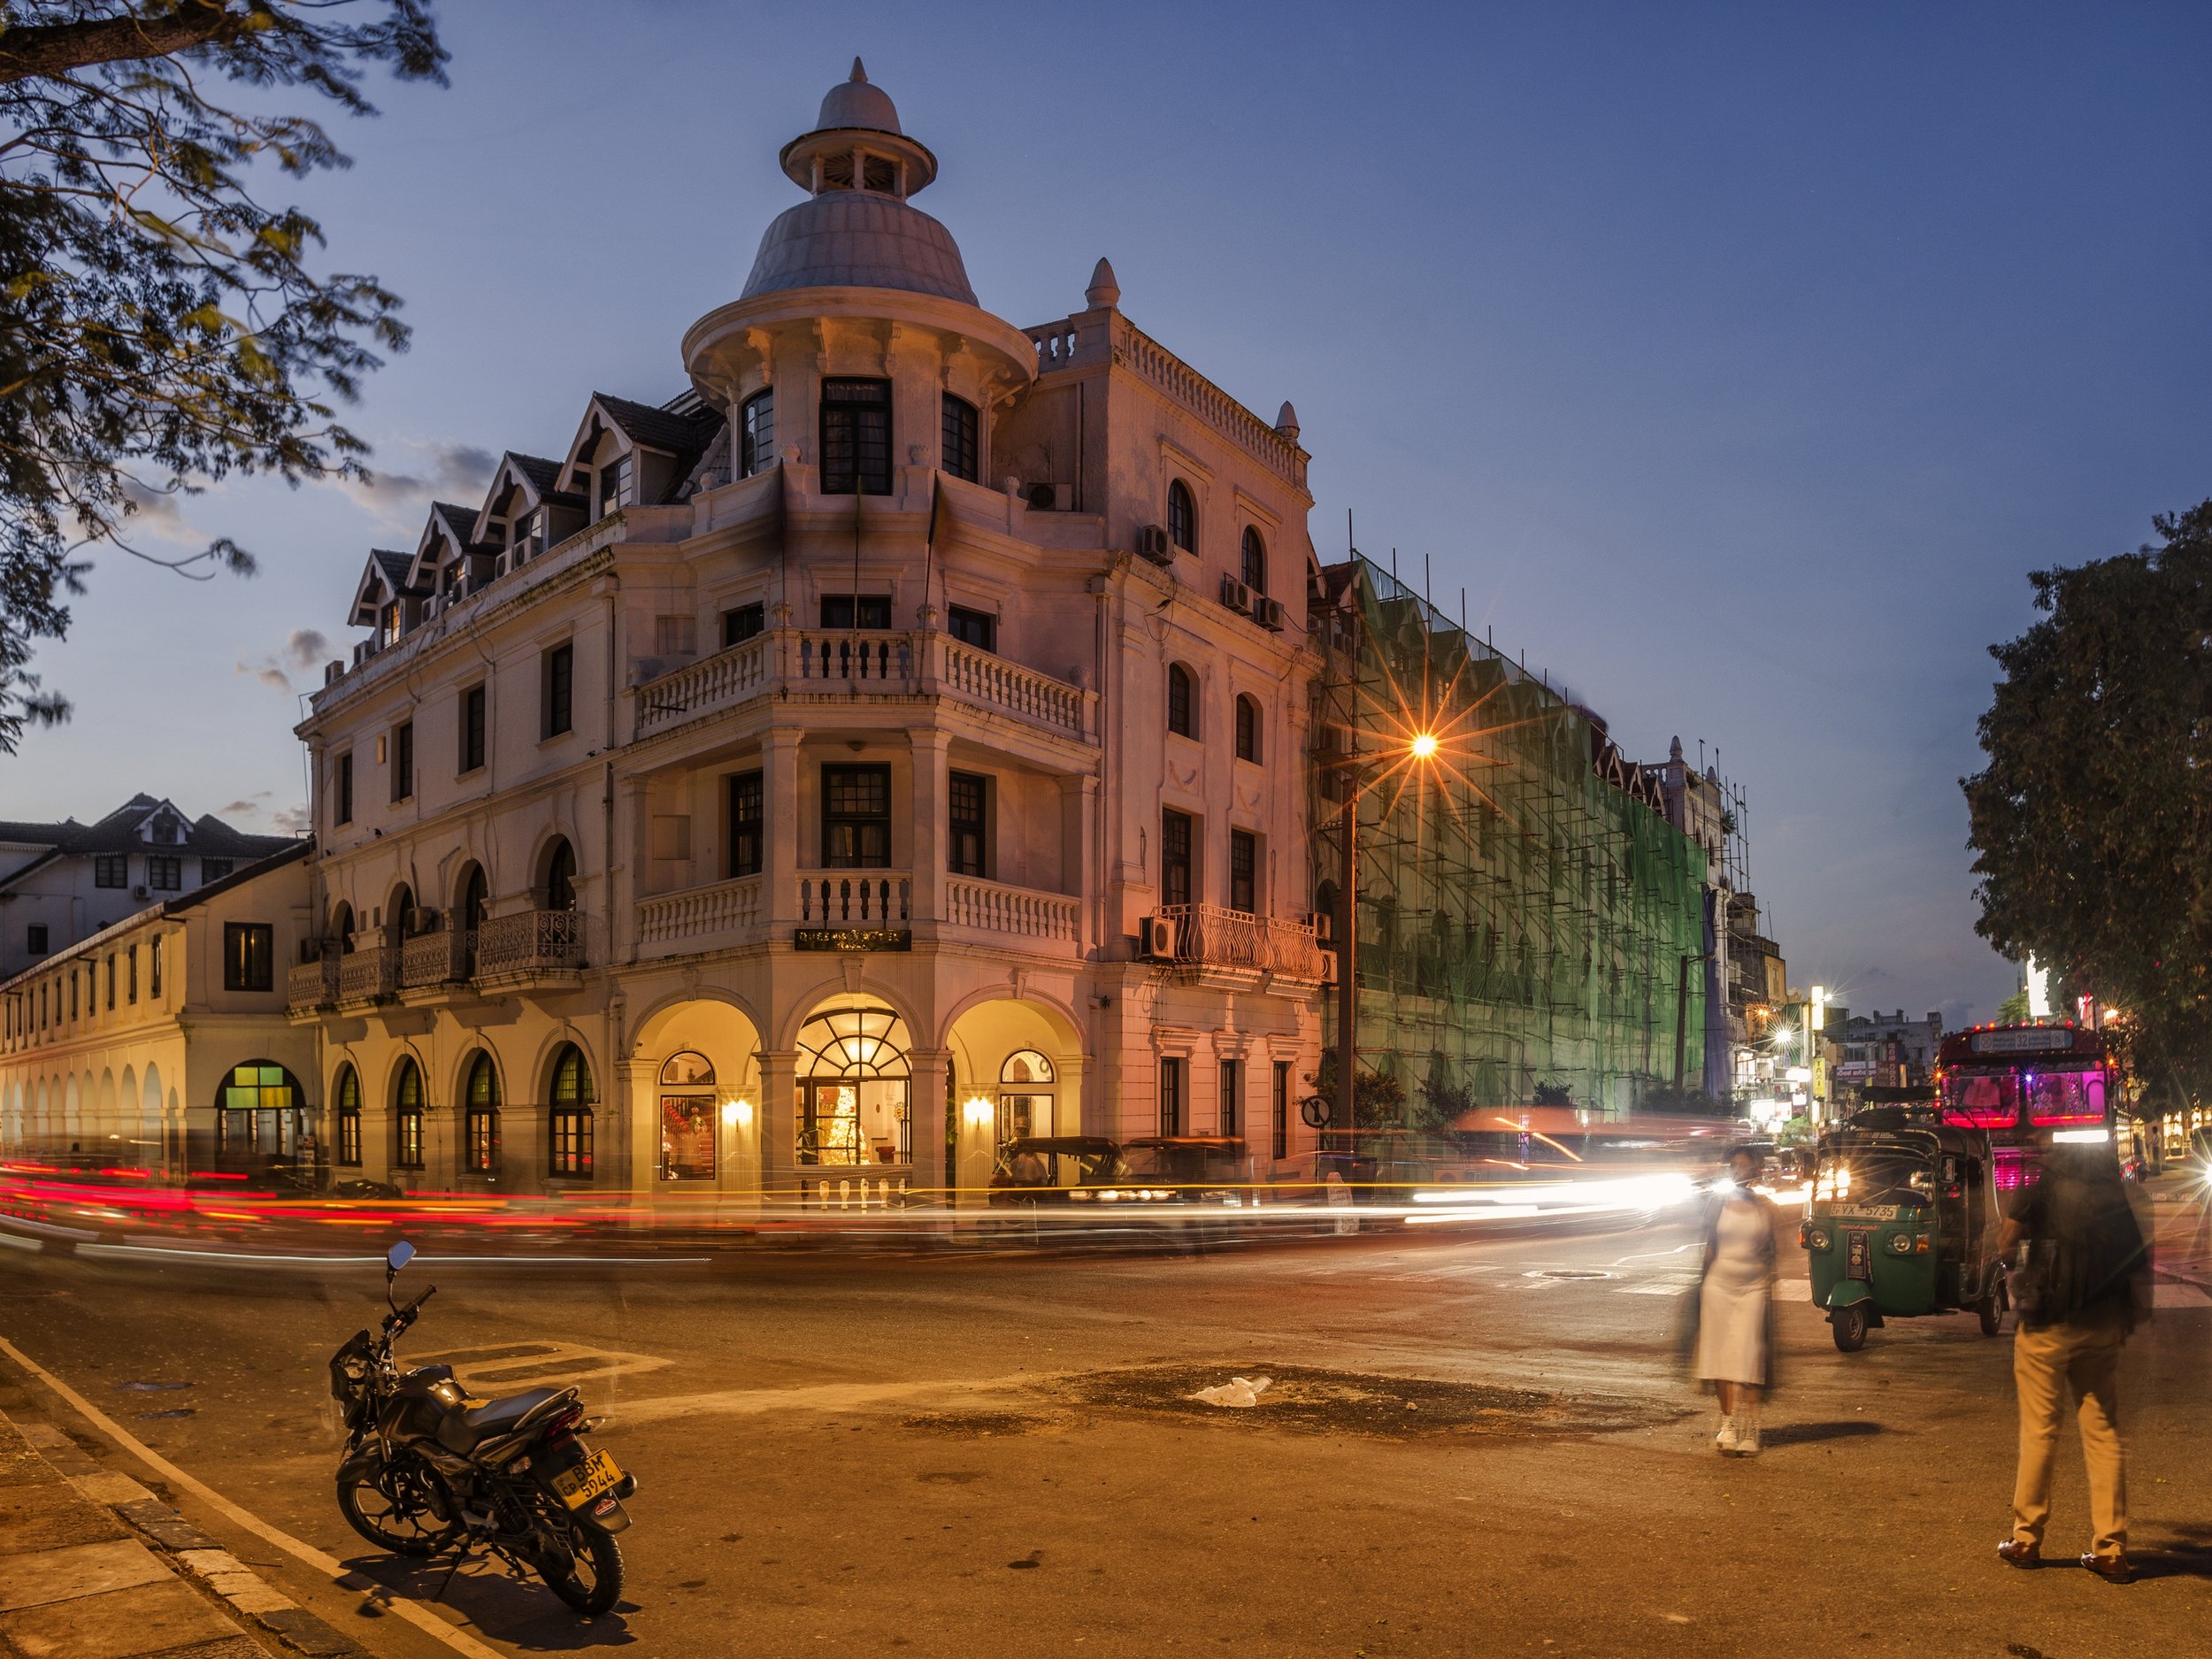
{"x":78,"y":1582}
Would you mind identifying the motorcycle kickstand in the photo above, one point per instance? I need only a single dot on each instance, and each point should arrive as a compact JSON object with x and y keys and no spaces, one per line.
{"x":459,"y":1560}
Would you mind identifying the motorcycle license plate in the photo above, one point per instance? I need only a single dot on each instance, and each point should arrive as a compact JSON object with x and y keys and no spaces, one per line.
{"x":577,"y":1487}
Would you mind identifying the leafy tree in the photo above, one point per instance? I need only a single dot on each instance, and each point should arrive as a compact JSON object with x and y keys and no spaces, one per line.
{"x":2013,"y":1009}
{"x":160,"y":328}
{"x":1378,"y":1098}
{"x":2090,"y":821}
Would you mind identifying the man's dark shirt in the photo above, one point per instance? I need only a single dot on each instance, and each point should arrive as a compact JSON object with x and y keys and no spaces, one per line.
{"x":2087,"y":1246}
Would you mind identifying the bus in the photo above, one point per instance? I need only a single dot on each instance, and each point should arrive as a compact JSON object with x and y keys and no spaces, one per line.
{"x":2009,"y":1082}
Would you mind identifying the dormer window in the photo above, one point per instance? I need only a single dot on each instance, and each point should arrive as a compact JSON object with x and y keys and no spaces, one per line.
{"x":387,"y":627}
{"x":614,"y":485}
{"x":756,"y":434}
{"x":522,"y":535}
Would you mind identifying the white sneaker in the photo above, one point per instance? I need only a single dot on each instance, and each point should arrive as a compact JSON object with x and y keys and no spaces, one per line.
{"x":1726,"y":1441}
{"x":1747,"y":1441}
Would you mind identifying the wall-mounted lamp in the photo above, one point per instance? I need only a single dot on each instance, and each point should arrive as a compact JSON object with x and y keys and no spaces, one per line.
{"x":737,"y":1114}
{"x":977,"y":1112}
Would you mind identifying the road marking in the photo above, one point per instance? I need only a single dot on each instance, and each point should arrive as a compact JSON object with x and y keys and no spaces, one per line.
{"x":812,"y":1397}
{"x":509,"y":1365}
{"x":1793,"y":1290}
{"x":459,"y":1641}
{"x":1677,"y":1287}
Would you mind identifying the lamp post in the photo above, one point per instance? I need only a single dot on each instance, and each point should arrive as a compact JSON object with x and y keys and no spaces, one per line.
{"x":1815,"y":1021}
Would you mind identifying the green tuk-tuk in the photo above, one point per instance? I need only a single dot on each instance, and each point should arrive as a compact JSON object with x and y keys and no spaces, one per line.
{"x":1902,"y":1221}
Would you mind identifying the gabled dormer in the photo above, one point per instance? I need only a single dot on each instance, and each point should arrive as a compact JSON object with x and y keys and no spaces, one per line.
{"x":629,"y":455}
{"x":527,"y":510}
{"x":446,"y":562}
{"x":385,"y":601}
{"x":163,"y":827}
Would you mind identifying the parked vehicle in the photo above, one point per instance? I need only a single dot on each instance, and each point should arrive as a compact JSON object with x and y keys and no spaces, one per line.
{"x":427,"y":1470}
{"x":1902,"y":1222}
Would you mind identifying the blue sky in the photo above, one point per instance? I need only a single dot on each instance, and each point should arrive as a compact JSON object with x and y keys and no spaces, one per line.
{"x":1738,"y":361}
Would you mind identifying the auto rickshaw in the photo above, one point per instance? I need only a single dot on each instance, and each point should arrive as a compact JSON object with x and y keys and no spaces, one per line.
{"x":1902,"y":1222}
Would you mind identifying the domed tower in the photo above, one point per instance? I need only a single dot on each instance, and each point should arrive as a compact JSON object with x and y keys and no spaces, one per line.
{"x":856,"y":352}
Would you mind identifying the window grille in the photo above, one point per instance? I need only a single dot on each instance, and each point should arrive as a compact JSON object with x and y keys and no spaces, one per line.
{"x":857,"y":816}
{"x":856,"y":448}
{"x":961,"y":434}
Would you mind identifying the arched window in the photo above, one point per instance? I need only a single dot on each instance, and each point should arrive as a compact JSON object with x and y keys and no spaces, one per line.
{"x":568,"y":1138}
{"x":1248,"y":730}
{"x":1025,"y":1097}
{"x":479,"y":1122}
{"x":341,"y":926}
{"x":854,"y":1087}
{"x":407,"y":1116}
{"x":348,"y":1095}
{"x":1182,"y":702}
{"x":560,"y":877}
{"x":1182,"y":517}
{"x":398,"y":915}
{"x":1254,"y":561}
{"x":688,"y":1117}
{"x":475,"y":904}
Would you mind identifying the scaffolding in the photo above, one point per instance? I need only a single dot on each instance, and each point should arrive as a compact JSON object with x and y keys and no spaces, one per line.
{"x":1530,"y":930}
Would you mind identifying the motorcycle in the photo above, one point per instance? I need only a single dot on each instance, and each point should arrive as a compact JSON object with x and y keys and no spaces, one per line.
{"x":427,"y":1469}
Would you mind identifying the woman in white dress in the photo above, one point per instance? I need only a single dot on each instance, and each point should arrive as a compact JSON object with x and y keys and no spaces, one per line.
{"x":1735,"y":1306}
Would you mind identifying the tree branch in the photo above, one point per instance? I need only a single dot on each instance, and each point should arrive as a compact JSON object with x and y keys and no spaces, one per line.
{"x":38,"y":51}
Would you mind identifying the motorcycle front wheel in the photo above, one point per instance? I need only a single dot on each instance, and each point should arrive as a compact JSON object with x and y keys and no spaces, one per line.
{"x":584,"y":1570}
{"x":402,"y":1506}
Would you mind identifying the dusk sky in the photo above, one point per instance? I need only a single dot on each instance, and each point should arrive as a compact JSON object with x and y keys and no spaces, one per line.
{"x":1739,"y":362}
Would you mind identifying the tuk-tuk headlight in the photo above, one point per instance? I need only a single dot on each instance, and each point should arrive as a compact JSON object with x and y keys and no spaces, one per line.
{"x":1817,"y":1239}
{"x":1900,"y":1244}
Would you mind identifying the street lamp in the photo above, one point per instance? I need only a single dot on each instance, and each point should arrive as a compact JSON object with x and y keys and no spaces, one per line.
{"x":1815,"y":1021}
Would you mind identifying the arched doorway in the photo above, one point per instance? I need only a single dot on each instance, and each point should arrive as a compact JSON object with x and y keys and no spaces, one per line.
{"x":855,"y":1088}
{"x":559,"y":885}
{"x":1024,"y":1096}
{"x":469,"y":912}
{"x":688,"y":1117}
{"x":259,"y":1113}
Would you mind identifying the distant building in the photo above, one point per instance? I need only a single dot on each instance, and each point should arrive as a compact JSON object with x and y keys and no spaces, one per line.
{"x":161,"y":1042}
{"x":61,"y":883}
{"x":1886,"y":1049}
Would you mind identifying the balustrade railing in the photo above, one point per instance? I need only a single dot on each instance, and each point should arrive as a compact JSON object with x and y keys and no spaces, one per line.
{"x":530,"y":941}
{"x":368,"y":972}
{"x":870,"y":898}
{"x":919,"y":661}
{"x":1212,"y":936}
{"x":435,"y":958}
{"x":723,"y":907}
{"x":993,"y":907}
{"x":312,"y":984}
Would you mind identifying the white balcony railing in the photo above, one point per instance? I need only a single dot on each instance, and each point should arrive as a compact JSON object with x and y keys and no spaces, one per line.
{"x":993,"y":907}
{"x":919,"y":661}
{"x":1211,"y":936}
{"x":856,"y":898}
{"x":725,"y":907}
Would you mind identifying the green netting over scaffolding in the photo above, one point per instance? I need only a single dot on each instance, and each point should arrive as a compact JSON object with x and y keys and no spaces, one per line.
{"x":1528,"y":932}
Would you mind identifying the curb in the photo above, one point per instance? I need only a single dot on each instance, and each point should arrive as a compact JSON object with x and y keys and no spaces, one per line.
{"x":189,"y":1551}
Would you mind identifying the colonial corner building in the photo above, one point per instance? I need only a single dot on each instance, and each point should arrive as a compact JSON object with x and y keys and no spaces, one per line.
{"x":764,"y":795}
{"x":921,"y":732}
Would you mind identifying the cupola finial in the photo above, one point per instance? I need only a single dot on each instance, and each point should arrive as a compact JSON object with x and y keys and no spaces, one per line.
{"x":860,"y":72}
{"x":1104,"y":292}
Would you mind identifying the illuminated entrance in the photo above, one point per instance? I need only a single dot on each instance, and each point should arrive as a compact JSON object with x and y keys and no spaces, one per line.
{"x":258,"y":1118}
{"x":853,"y":1088}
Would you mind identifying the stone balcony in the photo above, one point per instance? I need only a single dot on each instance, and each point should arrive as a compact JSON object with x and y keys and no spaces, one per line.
{"x":796,"y":662}
{"x":725,"y":915}
{"x":528,"y":950}
{"x":1213,"y":942}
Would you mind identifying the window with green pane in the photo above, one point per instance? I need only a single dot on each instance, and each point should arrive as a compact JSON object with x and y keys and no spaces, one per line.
{"x":568,"y":1119}
{"x":479,"y":1122}
{"x":407,"y":1117}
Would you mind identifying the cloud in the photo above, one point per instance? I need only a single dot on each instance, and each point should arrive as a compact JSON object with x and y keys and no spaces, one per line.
{"x":292,"y":820}
{"x":304,"y":648}
{"x":400,"y":496}
{"x":249,"y":804}
{"x":158,"y":516}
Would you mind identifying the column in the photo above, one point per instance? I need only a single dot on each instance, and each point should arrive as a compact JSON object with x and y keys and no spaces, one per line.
{"x":931,"y":749}
{"x":1079,"y":822}
{"x":925,"y":1106}
{"x":637,"y":1108}
{"x":779,"y":766}
{"x":779,"y":1121}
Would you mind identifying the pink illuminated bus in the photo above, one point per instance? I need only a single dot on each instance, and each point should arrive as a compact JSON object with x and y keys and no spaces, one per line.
{"x":2009,"y":1082}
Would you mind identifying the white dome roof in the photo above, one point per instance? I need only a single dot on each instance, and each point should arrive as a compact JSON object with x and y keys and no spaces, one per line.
{"x":858,"y":103}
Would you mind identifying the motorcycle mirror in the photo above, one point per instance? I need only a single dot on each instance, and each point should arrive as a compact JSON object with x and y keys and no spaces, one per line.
{"x":399,"y":1255}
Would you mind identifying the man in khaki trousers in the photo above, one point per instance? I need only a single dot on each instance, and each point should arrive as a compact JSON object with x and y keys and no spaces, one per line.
{"x":2078,"y":1297}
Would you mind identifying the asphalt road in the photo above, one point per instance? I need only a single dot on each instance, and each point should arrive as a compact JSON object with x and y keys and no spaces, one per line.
{"x":1476,"y":1445}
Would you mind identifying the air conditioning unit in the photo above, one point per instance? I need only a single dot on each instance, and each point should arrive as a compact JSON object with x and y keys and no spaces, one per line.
{"x":1152,"y":543}
{"x":432,"y":606}
{"x":1324,"y":926}
{"x":1235,"y":594}
{"x":139,"y":892}
{"x":1268,"y":613}
{"x":333,"y":672}
{"x":1157,"y":938}
{"x":1049,"y":498}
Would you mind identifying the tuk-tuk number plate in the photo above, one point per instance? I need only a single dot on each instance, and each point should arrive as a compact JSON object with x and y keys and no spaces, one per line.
{"x":581,"y":1484}
{"x":1858,"y":1255}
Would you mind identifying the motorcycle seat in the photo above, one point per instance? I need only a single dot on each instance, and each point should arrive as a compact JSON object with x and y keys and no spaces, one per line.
{"x":464,"y":1430}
